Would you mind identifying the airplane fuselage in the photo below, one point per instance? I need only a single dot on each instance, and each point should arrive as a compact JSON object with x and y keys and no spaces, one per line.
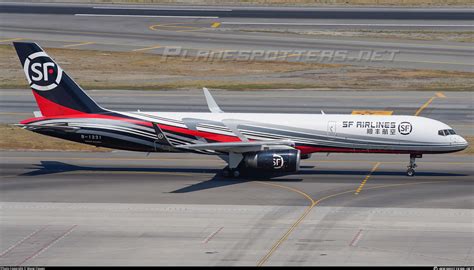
{"x":310,"y":132}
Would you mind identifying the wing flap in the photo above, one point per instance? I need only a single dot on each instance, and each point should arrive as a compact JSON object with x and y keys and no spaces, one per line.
{"x":238,"y":147}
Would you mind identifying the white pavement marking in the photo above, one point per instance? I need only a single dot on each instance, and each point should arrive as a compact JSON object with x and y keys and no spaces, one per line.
{"x":147,"y":16}
{"x":21,"y":241}
{"x":356,"y":239}
{"x":205,"y":241}
{"x":50,"y":244}
{"x":34,"y":244}
{"x":164,"y":9}
{"x":350,"y":24}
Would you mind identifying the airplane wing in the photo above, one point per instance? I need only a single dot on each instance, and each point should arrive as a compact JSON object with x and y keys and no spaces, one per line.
{"x":238,"y":147}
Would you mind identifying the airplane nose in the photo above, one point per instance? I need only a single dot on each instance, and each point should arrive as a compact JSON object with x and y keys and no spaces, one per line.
{"x":462,"y":142}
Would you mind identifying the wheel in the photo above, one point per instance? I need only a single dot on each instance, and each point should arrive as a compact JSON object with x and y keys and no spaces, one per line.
{"x":410,"y":172}
{"x":226,"y":172}
{"x":236,"y":173}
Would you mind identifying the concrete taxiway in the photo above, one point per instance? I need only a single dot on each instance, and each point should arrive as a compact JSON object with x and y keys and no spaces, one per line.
{"x":125,"y":208}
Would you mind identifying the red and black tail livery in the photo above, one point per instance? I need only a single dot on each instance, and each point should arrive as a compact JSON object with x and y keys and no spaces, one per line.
{"x":55,"y":92}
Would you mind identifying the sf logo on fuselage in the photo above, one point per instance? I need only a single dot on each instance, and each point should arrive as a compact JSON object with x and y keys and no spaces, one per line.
{"x":405,"y":128}
{"x":42,"y":73}
{"x":278,"y":161}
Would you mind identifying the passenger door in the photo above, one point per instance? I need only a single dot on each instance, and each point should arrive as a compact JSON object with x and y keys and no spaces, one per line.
{"x":332,"y":129}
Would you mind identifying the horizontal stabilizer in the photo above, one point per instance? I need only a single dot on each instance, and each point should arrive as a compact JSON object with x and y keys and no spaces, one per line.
{"x":56,"y":127}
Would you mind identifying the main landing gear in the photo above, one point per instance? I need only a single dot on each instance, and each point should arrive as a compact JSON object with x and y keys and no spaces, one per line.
{"x":227,"y":172}
{"x":412,"y":165}
{"x":235,"y":163}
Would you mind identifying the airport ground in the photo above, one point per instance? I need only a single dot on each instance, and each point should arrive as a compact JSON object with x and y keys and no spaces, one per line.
{"x":441,"y":40}
{"x":125,"y":208}
{"x":62,"y":208}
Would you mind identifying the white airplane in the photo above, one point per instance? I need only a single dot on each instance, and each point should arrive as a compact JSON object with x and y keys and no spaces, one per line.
{"x":247,"y":141}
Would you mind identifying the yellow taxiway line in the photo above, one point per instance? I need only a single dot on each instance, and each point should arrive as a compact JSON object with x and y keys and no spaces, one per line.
{"x":312,"y":204}
{"x":11,"y":39}
{"x":424,"y":106}
{"x":78,"y":44}
{"x":147,"y":48}
{"x":292,"y":228}
{"x":216,"y":25}
{"x":372,"y":112}
{"x":359,"y":189}
{"x":315,"y":203}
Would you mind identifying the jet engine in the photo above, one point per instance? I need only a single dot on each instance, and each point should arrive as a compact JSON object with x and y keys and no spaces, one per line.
{"x":278,"y":160}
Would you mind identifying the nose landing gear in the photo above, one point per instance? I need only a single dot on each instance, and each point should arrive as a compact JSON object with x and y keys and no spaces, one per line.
{"x":412,"y":165}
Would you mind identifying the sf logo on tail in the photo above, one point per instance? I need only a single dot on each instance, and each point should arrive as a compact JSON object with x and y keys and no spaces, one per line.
{"x":42,"y":73}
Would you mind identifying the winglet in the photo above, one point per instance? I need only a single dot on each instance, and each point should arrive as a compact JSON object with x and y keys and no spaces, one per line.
{"x":211,"y":103}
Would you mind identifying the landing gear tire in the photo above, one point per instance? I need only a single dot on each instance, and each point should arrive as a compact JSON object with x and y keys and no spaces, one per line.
{"x":236,"y":173}
{"x":231,"y":173}
{"x":226,"y":172}
{"x":412,"y":165}
{"x":411,"y":172}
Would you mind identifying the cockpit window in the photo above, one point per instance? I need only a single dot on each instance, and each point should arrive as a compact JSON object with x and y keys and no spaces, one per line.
{"x":446,"y":132}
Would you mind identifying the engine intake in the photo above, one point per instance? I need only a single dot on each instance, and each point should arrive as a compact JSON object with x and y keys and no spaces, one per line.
{"x":278,"y":160}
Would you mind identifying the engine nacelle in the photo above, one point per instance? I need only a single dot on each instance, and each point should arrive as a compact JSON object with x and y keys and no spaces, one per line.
{"x":278,"y":160}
